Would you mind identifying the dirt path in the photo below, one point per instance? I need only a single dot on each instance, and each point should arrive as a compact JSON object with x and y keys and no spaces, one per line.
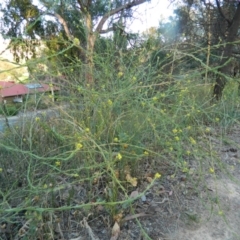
{"x":222,"y":224}
{"x":182,"y":211}
{"x":29,"y":115}
{"x":221,"y":219}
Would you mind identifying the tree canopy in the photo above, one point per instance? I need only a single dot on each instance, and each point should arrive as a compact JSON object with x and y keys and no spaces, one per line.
{"x":76,"y":25}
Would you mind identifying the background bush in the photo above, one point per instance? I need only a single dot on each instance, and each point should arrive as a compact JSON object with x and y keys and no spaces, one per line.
{"x":109,"y":139}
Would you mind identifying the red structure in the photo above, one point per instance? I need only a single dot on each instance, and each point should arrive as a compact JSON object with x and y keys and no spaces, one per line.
{"x":14,"y":92}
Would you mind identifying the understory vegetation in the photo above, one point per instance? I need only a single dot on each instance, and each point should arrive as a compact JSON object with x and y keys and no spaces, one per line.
{"x":108,"y":144}
{"x":137,"y":128}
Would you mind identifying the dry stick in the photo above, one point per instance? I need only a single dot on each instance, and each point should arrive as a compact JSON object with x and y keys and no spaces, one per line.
{"x":23,"y":230}
{"x":90,"y":232}
{"x":209,"y":44}
{"x":5,"y":115}
{"x":136,"y":216}
{"x":60,"y":230}
{"x":78,"y":238}
{"x":84,"y":223}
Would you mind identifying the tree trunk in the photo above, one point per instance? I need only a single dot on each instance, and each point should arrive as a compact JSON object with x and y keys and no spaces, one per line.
{"x":227,"y":54}
{"x":91,"y":37}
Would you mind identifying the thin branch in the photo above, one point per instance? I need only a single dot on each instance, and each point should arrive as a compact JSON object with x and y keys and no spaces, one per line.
{"x":89,"y":2}
{"x":65,"y":26}
{"x":116,"y":10}
{"x":66,"y":29}
{"x":235,"y":23}
{"x":221,"y":13}
{"x":82,"y":6}
{"x":107,"y":30}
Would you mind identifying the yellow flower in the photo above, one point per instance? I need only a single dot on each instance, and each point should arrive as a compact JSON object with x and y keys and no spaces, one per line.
{"x":171,"y":149}
{"x":189,"y":127}
{"x":74,"y":175}
{"x":76,"y":41}
{"x":87,"y":130}
{"x":0,"y":169}
{"x":177,"y":138}
{"x":192,"y":141}
{"x":110,"y":102}
{"x":146,"y":153}
{"x":211,"y":170}
{"x":116,"y":139}
{"x":37,"y":119}
{"x":45,"y":186}
{"x":174,"y":130}
{"x":78,"y":146}
{"x":220,"y":213}
{"x":207,"y":130}
{"x":157,"y":175}
{"x":120,"y":74}
{"x":217,"y":119}
{"x":188,"y":152}
{"x":163,"y":95}
{"x":155,"y":99}
{"x":185,"y":170}
{"x":119,"y":156}
{"x":58,"y":163}
{"x":134,"y":79}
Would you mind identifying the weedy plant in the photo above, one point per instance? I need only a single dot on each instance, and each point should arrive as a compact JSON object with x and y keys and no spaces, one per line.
{"x":105,"y":142}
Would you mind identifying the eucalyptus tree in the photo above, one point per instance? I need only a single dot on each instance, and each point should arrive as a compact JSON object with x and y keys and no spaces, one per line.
{"x":79,"y":21}
{"x":229,"y":12}
{"x":213,"y":25}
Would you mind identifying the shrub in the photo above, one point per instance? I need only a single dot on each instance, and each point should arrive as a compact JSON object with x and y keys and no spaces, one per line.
{"x":109,"y":140}
{"x":9,"y":110}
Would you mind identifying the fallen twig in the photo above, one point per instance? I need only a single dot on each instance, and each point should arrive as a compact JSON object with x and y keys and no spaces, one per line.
{"x":136,"y":216}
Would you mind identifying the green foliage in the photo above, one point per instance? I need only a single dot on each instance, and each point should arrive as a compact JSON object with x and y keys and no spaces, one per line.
{"x":149,"y":106}
{"x":25,"y":22}
{"x":9,"y":110}
{"x":93,"y":152}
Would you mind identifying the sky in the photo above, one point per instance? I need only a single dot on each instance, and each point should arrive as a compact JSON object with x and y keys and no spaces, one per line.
{"x":149,"y":14}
